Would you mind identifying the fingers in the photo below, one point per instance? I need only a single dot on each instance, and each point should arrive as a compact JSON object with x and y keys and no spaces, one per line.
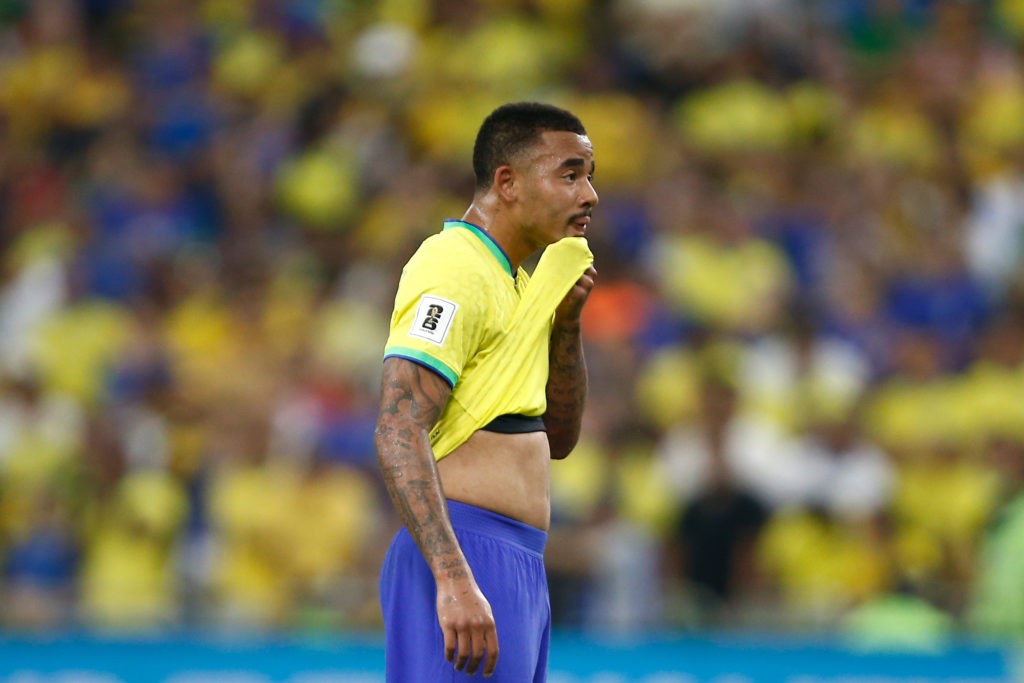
{"x":478,"y":643}
{"x":586,"y":280}
{"x":465,"y":638}
{"x":450,"y":638}
{"x":491,"y":646}
{"x":572,"y":305}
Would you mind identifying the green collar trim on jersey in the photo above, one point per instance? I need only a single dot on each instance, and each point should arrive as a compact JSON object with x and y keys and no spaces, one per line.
{"x":488,"y":241}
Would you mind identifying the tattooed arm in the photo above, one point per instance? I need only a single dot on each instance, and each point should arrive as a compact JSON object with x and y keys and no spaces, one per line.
{"x":412,"y":399}
{"x":567,"y":371}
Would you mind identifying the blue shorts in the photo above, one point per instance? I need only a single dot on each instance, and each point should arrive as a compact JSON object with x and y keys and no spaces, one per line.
{"x":507,"y":559}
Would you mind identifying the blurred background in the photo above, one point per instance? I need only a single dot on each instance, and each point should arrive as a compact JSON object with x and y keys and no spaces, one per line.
{"x":806,"y":348}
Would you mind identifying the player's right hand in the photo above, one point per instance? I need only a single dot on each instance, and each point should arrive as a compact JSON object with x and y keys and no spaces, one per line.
{"x":470,"y":635}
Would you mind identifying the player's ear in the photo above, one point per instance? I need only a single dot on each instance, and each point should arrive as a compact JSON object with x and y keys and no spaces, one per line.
{"x":505,"y":182}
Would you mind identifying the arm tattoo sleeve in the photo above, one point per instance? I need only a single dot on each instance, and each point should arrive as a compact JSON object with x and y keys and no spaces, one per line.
{"x":412,"y":399}
{"x":566,"y":389}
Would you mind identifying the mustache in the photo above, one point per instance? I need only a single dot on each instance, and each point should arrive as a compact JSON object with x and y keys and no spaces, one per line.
{"x":585,"y":214}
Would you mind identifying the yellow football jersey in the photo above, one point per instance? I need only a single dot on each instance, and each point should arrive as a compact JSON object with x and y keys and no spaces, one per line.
{"x":461,"y":311}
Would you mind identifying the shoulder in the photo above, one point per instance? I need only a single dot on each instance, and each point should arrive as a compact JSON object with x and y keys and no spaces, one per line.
{"x":449,"y":243}
{"x":446,"y":251}
{"x":450,"y":260}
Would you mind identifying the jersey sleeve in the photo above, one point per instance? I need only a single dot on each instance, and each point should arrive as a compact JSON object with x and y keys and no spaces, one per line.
{"x":439,"y":317}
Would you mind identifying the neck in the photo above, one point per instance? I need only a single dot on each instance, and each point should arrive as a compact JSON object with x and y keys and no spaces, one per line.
{"x":487,"y":215}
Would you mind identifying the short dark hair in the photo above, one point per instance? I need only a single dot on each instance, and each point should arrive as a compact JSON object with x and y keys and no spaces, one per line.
{"x":513,"y":127}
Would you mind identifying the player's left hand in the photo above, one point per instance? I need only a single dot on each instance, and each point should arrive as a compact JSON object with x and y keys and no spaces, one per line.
{"x":571,"y":306}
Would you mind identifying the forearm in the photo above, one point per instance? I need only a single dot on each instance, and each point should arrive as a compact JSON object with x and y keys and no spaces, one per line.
{"x":566,"y":388}
{"x":410,"y":476}
{"x":409,"y":409}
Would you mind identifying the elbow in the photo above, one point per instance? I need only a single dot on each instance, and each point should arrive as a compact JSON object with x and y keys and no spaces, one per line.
{"x":560,"y":446}
{"x":563,"y":434}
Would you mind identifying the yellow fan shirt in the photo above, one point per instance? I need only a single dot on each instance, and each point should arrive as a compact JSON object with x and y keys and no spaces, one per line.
{"x":462,"y":312}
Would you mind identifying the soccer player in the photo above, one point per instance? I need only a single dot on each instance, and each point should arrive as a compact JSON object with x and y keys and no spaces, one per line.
{"x":483,"y":384}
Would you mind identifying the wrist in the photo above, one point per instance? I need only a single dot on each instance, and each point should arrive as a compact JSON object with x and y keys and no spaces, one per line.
{"x":460,"y":584}
{"x":453,"y":574}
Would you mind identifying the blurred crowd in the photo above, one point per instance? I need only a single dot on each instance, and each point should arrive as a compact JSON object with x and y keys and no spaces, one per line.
{"x":806,"y":345}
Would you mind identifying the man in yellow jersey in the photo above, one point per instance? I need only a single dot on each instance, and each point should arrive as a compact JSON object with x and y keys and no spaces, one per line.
{"x":483,"y":384}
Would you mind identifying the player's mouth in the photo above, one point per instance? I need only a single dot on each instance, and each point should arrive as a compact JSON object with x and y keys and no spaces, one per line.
{"x":580,"y":223}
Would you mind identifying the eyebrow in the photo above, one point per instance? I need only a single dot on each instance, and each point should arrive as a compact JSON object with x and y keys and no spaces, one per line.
{"x":574,"y":162}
